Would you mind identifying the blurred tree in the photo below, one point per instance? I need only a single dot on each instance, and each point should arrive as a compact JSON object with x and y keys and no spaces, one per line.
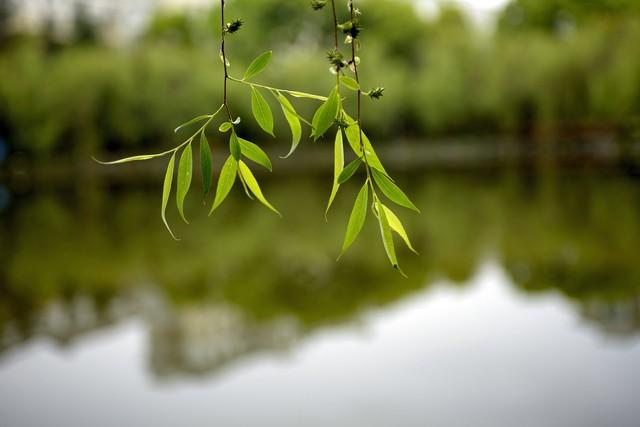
{"x":558,"y":16}
{"x":85,"y":29}
{"x":6,"y":13}
{"x":173,"y":27}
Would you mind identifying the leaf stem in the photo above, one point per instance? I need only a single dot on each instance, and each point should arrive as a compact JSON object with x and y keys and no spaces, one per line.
{"x":336,"y":47}
{"x":359,"y":104}
{"x":224,"y":61}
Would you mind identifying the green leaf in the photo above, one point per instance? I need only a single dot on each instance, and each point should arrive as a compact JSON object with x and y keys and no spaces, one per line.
{"x":193,"y":121}
{"x":353,"y":136}
{"x":349,"y":171}
{"x":325,"y":115}
{"x":338,"y":165}
{"x":294,"y":122}
{"x":252,"y":152}
{"x":225,"y":126}
{"x":134,"y":158}
{"x":244,"y":186}
{"x":392,"y":191}
{"x":234,"y":146}
{"x":225,"y":182}
{"x":224,"y":60}
{"x":166,"y":192}
{"x":297,"y":94}
{"x":185,"y":171}
{"x":397,"y":226}
{"x":206,"y":167}
{"x":261,"y":111}
{"x":387,"y":238}
{"x":349,"y":83}
{"x":257,"y":65}
{"x":252,"y":183}
{"x":357,"y":218}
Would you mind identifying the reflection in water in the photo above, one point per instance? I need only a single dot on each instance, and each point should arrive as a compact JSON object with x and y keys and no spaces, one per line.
{"x":244,"y":283}
{"x":509,"y":359}
{"x":77,"y":261}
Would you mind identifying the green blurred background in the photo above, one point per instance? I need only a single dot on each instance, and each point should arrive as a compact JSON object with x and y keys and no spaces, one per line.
{"x":92,"y":81}
{"x":515,"y":129}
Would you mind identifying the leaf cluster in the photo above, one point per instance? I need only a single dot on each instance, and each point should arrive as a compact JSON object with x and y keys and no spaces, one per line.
{"x":330,"y":113}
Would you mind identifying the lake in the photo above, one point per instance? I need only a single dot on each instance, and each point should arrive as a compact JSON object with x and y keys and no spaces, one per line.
{"x":522,"y":309}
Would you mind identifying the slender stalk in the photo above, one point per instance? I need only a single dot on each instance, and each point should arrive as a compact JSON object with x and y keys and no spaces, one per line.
{"x":335,"y":23}
{"x":359,"y":105}
{"x":224,"y":60}
{"x":335,"y":41}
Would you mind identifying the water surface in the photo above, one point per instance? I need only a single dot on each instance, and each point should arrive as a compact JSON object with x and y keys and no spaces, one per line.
{"x":522,"y":309}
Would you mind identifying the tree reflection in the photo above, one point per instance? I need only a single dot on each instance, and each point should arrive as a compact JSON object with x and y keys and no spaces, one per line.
{"x":243,"y":282}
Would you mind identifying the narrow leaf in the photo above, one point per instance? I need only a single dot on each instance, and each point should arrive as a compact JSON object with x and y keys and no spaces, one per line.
{"x":353,"y":136}
{"x":261,"y":111}
{"x":225,"y":126}
{"x":392,"y":191}
{"x":185,"y":171}
{"x":244,"y":186}
{"x":253,"y":185}
{"x":166,"y":192}
{"x":325,"y":115}
{"x":396,"y":225}
{"x":257,"y":65}
{"x":297,"y":94}
{"x":338,"y":165}
{"x":253,"y":152}
{"x":205,"y":164}
{"x":357,"y":218}
{"x":349,"y":171}
{"x":193,"y":121}
{"x":294,"y":122}
{"x":234,"y":146}
{"x":387,"y":238}
{"x":225,"y":182}
{"x":349,"y":83}
{"x":134,"y":158}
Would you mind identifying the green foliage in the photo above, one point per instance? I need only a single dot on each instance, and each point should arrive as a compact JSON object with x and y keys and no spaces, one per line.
{"x":293,"y":120}
{"x":185,"y":173}
{"x":331,"y":112}
{"x":356,"y":219}
{"x":253,"y":186}
{"x":234,"y":146}
{"x":326,"y":114}
{"x":261,"y":111}
{"x":253,"y":152}
{"x":391,"y":190}
{"x":387,"y":237}
{"x":257,"y":65}
{"x":206,"y":164}
{"x":559,"y":16}
{"x":349,"y":171}
{"x":166,"y":191}
{"x":225,"y":182}
{"x":338,"y":165}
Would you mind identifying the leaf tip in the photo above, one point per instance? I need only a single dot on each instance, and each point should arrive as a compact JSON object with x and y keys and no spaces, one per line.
{"x":399,"y":270}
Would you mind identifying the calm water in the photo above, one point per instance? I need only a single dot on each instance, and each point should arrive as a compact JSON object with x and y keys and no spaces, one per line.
{"x":523,"y":308}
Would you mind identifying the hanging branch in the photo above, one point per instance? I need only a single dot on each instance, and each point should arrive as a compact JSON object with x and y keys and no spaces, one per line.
{"x":240,"y":149}
{"x":360,"y":145}
{"x":331,"y":112}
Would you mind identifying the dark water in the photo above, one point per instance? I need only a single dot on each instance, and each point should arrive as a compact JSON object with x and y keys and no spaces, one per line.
{"x":523,"y":308}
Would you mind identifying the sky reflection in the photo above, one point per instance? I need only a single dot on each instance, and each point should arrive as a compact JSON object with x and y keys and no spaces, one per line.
{"x":482,"y":354}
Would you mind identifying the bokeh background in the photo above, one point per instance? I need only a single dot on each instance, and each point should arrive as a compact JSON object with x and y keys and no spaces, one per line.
{"x":513,"y":124}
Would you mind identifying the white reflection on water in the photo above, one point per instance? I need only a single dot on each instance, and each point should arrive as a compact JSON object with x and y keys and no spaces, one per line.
{"x":482,"y":355}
